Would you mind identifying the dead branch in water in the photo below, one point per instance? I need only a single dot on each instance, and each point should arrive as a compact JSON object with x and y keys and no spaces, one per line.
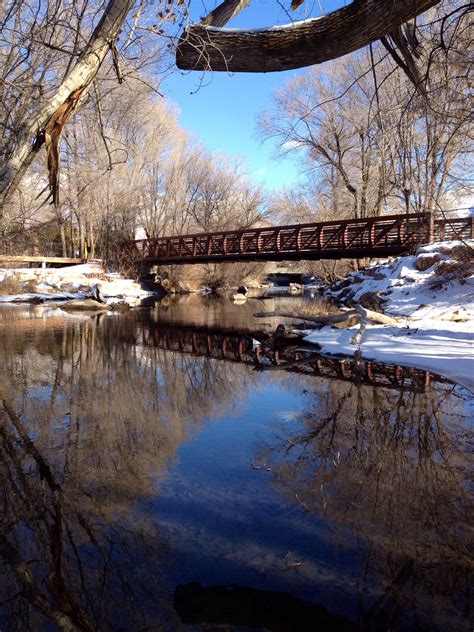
{"x":322,"y":320}
{"x":359,"y":311}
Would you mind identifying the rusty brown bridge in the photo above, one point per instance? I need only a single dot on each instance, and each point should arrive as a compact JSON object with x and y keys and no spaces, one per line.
{"x":388,"y":235}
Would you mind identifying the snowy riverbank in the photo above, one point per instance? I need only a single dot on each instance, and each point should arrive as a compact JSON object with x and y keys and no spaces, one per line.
{"x":74,"y":282}
{"x":433,"y":294}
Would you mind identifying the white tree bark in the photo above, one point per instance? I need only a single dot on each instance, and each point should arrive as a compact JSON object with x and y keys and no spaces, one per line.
{"x":32,"y":135}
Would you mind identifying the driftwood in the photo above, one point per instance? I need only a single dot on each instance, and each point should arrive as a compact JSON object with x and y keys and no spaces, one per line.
{"x":364,"y":316}
{"x":356,"y":338}
{"x":322,"y":320}
{"x":368,"y":314}
{"x":86,"y":305}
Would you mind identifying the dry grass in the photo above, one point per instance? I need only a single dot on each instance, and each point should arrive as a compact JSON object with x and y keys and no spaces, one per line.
{"x":323,"y":306}
{"x":12,"y":284}
{"x":457,"y":269}
{"x":463,"y":253}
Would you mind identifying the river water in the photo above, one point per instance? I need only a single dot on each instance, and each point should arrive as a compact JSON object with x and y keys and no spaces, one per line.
{"x":162,"y":472}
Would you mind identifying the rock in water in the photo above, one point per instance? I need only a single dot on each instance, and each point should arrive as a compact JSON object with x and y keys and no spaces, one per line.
{"x":85,"y":305}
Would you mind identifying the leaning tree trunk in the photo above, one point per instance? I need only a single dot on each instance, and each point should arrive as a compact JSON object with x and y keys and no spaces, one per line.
{"x":205,"y":46}
{"x":46,"y":124}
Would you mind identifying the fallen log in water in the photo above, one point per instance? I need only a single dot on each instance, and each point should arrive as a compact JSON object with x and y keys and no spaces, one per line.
{"x":359,"y":313}
{"x":322,"y":320}
{"x":368,"y":314}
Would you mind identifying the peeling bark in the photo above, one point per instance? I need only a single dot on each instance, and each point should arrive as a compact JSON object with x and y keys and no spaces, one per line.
{"x":35,"y":129}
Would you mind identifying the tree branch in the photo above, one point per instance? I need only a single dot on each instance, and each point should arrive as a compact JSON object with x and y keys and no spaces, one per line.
{"x":295,"y":45}
{"x":224,"y":12}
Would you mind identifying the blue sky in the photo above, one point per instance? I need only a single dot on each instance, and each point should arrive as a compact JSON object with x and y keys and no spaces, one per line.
{"x":221,"y":110}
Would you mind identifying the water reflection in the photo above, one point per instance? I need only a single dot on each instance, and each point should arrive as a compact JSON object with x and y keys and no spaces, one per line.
{"x":201,"y":310}
{"x":117,"y":479}
{"x":395,"y":471}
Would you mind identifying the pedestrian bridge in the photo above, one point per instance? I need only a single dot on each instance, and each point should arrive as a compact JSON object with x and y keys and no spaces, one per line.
{"x":388,"y":235}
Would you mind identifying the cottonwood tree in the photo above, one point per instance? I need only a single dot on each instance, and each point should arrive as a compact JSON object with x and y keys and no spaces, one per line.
{"x":50,"y":54}
{"x":127,"y":164}
{"x":43,"y":123}
{"x":52,"y":66}
{"x":371,"y":142}
{"x":206,"y":46}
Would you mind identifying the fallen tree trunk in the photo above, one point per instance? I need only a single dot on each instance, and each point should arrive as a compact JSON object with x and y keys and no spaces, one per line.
{"x":359,"y":311}
{"x":322,"y":320}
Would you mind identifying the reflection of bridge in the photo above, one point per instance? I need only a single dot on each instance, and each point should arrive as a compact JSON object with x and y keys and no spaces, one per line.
{"x":369,"y":237}
{"x":232,"y":346}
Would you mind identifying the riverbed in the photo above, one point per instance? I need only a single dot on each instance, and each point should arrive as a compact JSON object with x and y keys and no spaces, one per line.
{"x":166,"y":468}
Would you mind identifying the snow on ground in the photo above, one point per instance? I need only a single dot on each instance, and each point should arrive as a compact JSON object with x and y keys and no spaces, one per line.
{"x":24,"y":284}
{"x":434,"y":291}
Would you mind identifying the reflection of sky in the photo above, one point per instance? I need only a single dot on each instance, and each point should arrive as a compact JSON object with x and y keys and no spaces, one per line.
{"x":197,"y":466}
{"x":222,"y":112}
{"x":225,"y":521}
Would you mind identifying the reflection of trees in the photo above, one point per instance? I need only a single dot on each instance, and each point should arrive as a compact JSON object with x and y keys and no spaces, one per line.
{"x":211,"y":311}
{"x":395,"y":479}
{"x":88,"y":422}
{"x":90,"y":419}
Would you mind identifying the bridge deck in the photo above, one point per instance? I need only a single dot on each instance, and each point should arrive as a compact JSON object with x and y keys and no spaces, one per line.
{"x":389,"y":235}
{"x":32,"y":259}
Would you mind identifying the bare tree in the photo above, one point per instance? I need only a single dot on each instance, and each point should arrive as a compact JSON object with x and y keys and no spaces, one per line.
{"x":371,"y":142}
{"x":45,"y":124}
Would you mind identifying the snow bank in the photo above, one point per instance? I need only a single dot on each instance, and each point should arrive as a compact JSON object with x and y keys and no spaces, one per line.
{"x":438,"y":278}
{"x":447,"y":351}
{"x":73,"y":282}
{"x":434,"y":289}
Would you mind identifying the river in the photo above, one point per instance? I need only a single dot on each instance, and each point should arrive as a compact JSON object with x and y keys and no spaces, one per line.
{"x":163,"y":472}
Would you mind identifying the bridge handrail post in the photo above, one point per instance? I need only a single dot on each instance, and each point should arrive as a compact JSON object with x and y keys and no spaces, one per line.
{"x":320,"y":236}
{"x":345,"y":234}
{"x":371,"y":227}
{"x":241,"y":242}
{"x":401,"y":231}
